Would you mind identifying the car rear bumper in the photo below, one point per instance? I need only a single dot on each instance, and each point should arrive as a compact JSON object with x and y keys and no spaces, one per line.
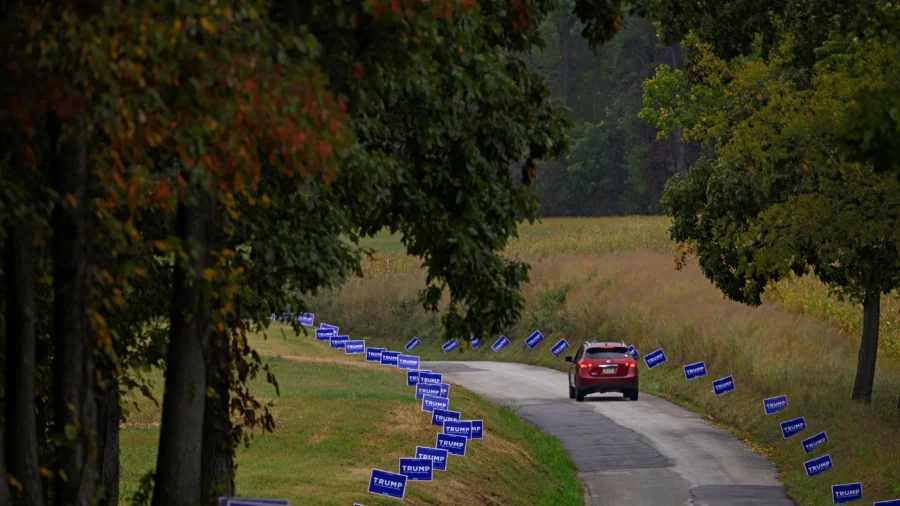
{"x":615,"y":384}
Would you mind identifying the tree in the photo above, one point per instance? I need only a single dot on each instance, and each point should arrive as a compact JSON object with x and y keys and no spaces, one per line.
{"x":614,"y":167}
{"x":737,"y":28}
{"x":775,"y":197}
{"x":145,"y":145}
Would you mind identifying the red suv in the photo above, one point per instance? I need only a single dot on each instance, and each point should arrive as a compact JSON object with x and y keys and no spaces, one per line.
{"x":600,"y":368}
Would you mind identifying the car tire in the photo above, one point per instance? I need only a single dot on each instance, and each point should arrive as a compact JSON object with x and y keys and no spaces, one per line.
{"x":571,"y":392}
{"x":579,"y":395}
{"x":632,"y":394}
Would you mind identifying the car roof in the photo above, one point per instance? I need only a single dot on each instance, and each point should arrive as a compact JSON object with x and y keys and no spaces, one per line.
{"x":604,"y":344}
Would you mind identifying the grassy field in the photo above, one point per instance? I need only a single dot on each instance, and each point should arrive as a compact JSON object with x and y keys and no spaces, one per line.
{"x":338,"y":417}
{"x":614,"y":278}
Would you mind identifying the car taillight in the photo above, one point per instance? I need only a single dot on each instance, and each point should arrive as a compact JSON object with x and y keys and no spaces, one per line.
{"x":584,"y":365}
{"x":632,"y":364}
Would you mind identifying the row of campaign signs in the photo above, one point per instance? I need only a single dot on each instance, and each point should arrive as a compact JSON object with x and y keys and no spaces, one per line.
{"x":435,"y":396}
{"x":840,"y":494}
{"x":452,"y":441}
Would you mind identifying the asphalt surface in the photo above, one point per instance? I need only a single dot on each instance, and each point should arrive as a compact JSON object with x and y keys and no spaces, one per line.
{"x":649,"y":452}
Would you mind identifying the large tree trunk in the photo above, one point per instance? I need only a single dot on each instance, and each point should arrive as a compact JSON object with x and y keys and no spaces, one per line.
{"x":74,"y":407}
{"x":868,"y":348}
{"x":4,"y":490}
{"x":21,"y":438}
{"x":217,"y":467}
{"x":108,"y":414}
{"x":181,"y":434}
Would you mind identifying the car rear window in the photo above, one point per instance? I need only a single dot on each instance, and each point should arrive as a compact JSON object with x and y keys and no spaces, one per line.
{"x":611,"y":352}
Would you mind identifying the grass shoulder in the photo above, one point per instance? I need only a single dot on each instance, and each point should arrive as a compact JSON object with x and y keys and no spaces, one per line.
{"x":338,"y":417}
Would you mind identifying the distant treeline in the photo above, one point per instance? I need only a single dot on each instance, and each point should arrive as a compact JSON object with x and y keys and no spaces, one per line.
{"x":615,"y":166}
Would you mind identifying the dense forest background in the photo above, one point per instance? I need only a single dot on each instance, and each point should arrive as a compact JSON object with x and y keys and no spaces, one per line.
{"x":616,"y":166}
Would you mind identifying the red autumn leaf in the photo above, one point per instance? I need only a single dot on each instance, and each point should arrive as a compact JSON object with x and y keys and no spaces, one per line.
{"x":68,"y":107}
{"x":162,"y":189}
{"x":395,"y":6}
{"x":250,"y":84}
{"x":324,"y":149}
{"x":132,"y":195}
{"x":29,"y":157}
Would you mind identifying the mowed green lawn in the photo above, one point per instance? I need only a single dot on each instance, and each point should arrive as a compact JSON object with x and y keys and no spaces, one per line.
{"x":338,"y":417}
{"x":614,"y":278}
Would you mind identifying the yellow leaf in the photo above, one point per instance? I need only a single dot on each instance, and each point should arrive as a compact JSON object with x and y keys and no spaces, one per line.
{"x":209,"y":27}
{"x":161,"y":246}
{"x":209,"y":274}
{"x":45,"y":472}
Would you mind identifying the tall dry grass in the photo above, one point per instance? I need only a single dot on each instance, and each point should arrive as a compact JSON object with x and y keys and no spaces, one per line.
{"x":638,"y":297}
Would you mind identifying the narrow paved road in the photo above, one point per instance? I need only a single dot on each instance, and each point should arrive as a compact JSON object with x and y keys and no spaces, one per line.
{"x":645,"y":453}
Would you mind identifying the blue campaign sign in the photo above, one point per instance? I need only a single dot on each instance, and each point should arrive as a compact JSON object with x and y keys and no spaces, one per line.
{"x":285,"y":317}
{"x":475,"y":342}
{"x":327,"y":326}
{"x":387,"y":484}
{"x":818,"y":465}
{"x":325,"y":334}
{"x":355,"y":347}
{"x":455,"y":445}
{"x":422,"y":390}
{"x":477,"y":429}
{"x":431,"y":403}
{"x":846,"y":492}
{"x":693,"y":371}
{"x":389,"y":357}
{"x":724,"y":385}
{"x":237,"y":501}
{"x":499,"y":344}
{"x":412,"y":378}
{"x":445,"y":390}
{"x":773,"y":405}
{"x":407,"y":362}
{"x":633,"y":351}
{"x":373,"y":354}
{"x":412,"y":343}
{"x":559,"y":347}
{"x":534,"y":339}
{"x":416,"y":469}
{"x":439,"y":416}
{"x":339,"y":341}
{"x":437,"y":457}
{"x":306,"y":319}
{"x":273,"y":316}
{"x":450,"y":346}
{"x":458,"y":428}
{"x":655,"y":358}
{"x":792,"y":427}
{"x":430,"y":378}
{"x":892,"y":502}
{"x":811,"y":443}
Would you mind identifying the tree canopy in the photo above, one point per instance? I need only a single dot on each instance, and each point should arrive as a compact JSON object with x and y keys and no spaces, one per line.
{"x":775,"y":193}
{"x":173,"y":172}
